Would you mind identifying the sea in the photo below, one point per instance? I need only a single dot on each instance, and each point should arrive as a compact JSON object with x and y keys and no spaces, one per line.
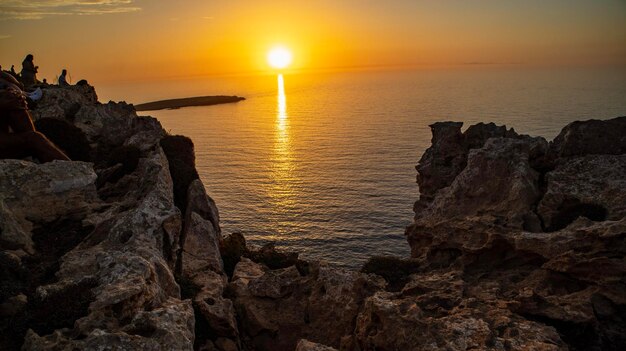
{"x":324,"y":163}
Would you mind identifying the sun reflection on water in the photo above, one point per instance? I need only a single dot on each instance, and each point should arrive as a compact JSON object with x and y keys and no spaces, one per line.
{"x":282,"y":190}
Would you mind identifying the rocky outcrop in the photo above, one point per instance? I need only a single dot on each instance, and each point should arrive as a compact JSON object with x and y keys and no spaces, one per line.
{"x":530,"y":235}
{"x":279,"y":307}
{"x":89,"y":250}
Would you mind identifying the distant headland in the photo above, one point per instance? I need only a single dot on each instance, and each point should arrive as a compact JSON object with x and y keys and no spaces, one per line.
{"x":186,"y":102}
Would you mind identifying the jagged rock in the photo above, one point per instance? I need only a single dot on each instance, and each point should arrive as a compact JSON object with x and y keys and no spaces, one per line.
{"x":200,"y":263}
{"x":64,"y":103}
{"x":198,"y":201}
{"x":592,"y":186}
{"x":31,"y":193}
{"x":531,"y":236}
{"x":497,"y":180}
{"x":443,"y":160}
{"x":305,"y":345}
{"x":168,"y":327}
{"x":279,"y":307}
{"x":107,"y":280}
{"x":447,"y":156}
{"x":182,"y":161}
{"x":496,"y":190}
{"x":123,"y":256}
{"x":438,"y":310}
{"x":109,"y":124}
{"x":200,"y":250}
{"x":591,"y":137}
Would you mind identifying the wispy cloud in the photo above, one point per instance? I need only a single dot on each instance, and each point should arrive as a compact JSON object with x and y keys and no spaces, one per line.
{"x":4,"y":36}
{"x":28,"y":9}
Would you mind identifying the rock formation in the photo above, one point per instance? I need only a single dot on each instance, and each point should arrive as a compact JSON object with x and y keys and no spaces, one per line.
{"x":90,"y":250}
{"x":517,"y":244}
{"x":531,"y":233}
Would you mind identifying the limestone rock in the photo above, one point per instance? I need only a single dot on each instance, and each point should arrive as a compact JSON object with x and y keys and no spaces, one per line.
{"x":280,"y":306}
{"x":100,"y":271}
{"x":110,"y":124}
{"x":436,"y":171}
{"x":31,"y":193}
{"x":434,"y":313}
{"x":591,"y":137}
{"x":199,"y":202}
{"x":305,"y":345}
{"x":496,"y":190}
{"x":64,"y":103}
{"x":200,"y":264}
{"x":447,"y":156}
{"x":169,"y":327}
{"x":522,"y":250}
{"x":591,"y":185}
{"x":201,"y":246}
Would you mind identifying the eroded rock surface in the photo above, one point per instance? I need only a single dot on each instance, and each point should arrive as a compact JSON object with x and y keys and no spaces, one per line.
{"x":89,"y":250}
{"x":533,"y":237}
{"x":279,"y":307}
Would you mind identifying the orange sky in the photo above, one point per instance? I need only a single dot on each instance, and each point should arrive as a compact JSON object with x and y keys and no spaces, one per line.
{"x":117,"y":40}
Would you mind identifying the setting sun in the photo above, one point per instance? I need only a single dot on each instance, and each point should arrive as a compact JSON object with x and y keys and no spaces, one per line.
{"x":279,"y":57}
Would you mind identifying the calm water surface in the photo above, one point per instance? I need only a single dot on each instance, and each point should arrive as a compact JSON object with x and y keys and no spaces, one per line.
{"x":324,"y":164}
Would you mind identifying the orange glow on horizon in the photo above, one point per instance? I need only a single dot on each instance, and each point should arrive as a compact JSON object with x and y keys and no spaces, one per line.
{"x":220,"y":38}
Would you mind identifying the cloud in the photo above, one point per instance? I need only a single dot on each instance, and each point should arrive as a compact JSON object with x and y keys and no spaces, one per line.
{"x":28,"y":9}
{"x":4,"y":36}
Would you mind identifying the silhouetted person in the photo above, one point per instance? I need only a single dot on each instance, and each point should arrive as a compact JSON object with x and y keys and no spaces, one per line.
{"x":29,"y":71}
{"x":63,"y":79}
{"x":13,"y":71}
{"x":18,"y":138}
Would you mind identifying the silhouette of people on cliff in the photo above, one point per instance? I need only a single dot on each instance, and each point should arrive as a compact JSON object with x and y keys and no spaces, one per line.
{"x":18,"y":137}
{"x":29,"y":71}
{"x":63,"y":79}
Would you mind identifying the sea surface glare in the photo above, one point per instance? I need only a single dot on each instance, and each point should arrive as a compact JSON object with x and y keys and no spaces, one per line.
{"x":324,"y":163}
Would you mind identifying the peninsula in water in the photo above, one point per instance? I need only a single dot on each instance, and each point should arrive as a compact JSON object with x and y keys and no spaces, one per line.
{"x":185,"y":102}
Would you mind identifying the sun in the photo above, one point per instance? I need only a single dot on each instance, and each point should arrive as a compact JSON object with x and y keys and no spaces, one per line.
{"x":279,"y":57}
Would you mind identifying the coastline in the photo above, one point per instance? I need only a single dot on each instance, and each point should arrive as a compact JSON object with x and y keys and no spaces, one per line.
{"x":516,"y":244}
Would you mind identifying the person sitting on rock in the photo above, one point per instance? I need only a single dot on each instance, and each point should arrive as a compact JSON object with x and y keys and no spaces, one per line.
{"x":18,"y":137}
{"x":29,"y":71}
{"x":63,"y":79}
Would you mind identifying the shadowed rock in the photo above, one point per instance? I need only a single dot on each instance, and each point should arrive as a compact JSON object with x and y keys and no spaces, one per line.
{"x":594,"y":136}
{"x":532,"y":234}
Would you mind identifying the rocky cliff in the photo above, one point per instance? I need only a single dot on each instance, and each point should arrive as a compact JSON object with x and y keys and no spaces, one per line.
{"x":517,"y":244}
{"x":102,"y":252}
{"x":532,"y":232}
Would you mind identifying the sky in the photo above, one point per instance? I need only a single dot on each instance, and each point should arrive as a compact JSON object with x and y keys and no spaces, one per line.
{"x":128,"y":40}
